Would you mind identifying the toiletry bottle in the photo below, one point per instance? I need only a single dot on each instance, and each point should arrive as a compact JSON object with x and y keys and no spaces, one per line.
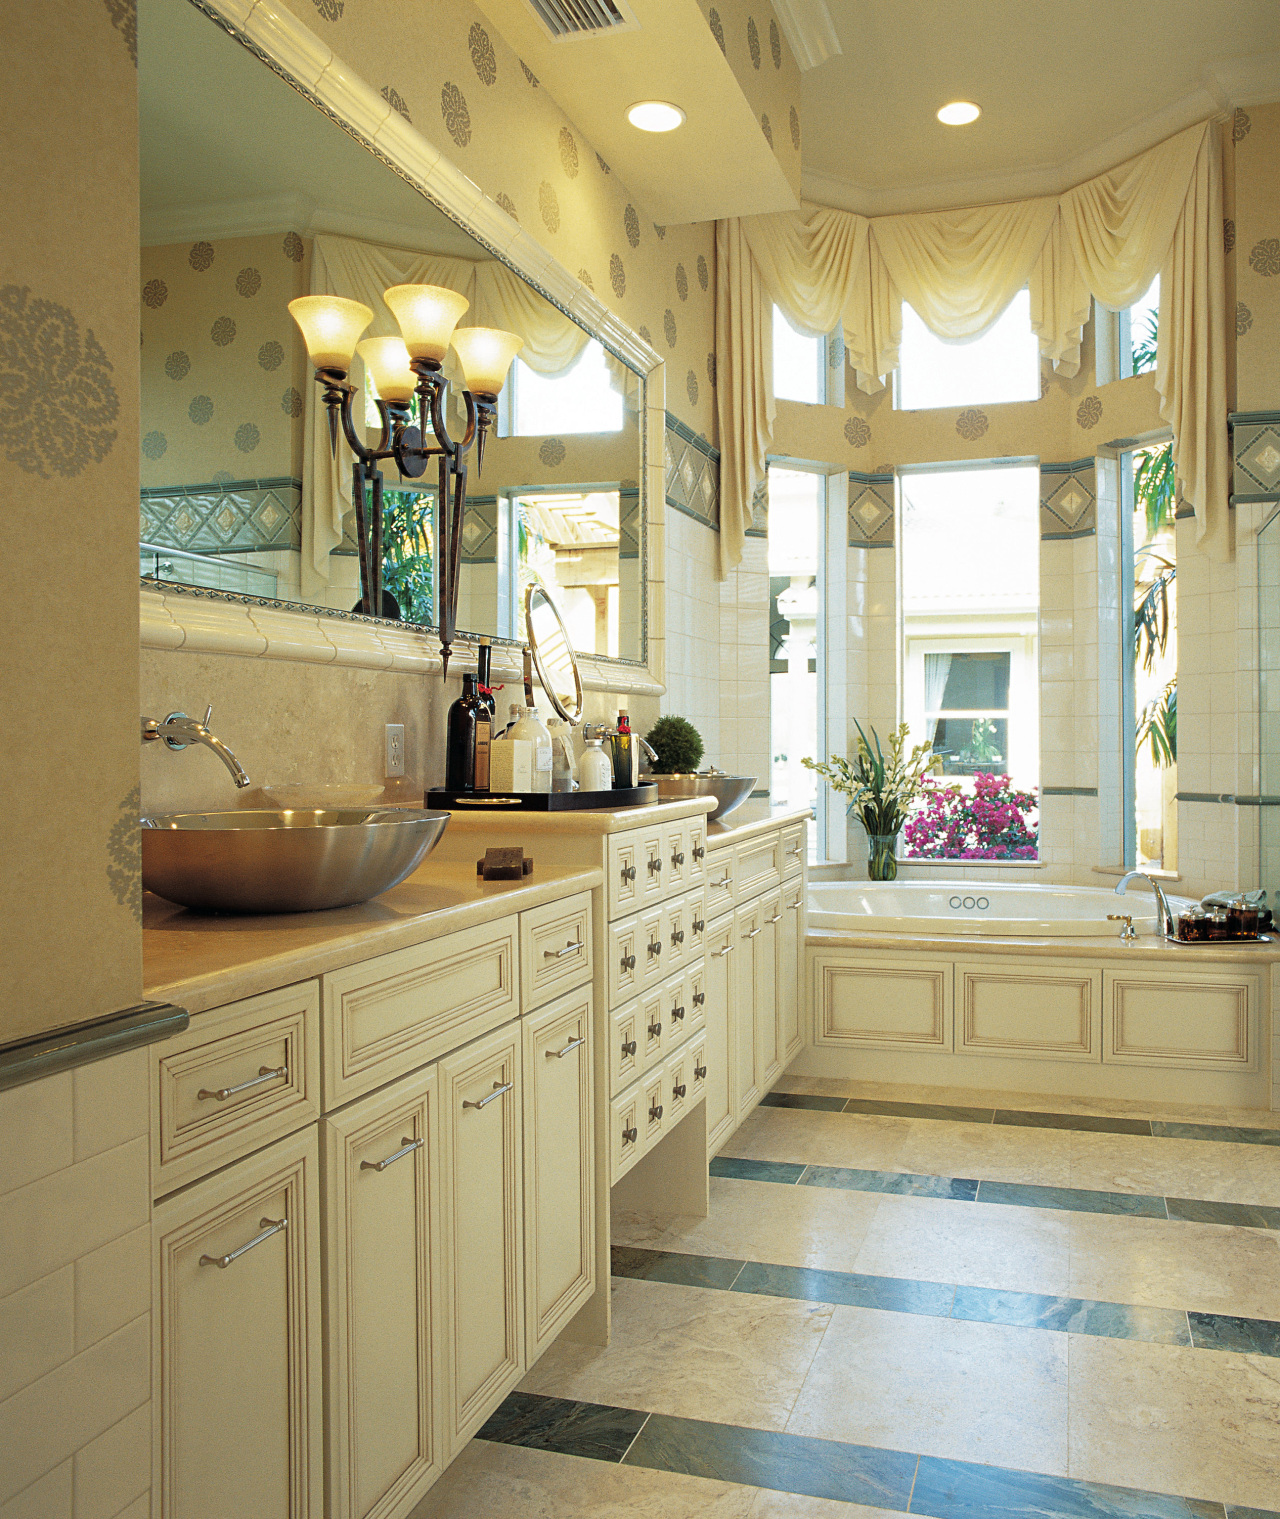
{"x":623,"y":753}
{"x":595,"y":768}
{"x":531,"y":727}
{"x":470,"y":728}
{"x":561,"y":755}
{"x":514,"y":713}
{"x":484,"y":673}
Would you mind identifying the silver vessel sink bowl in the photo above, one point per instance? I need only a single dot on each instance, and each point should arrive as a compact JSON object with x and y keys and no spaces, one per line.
{"x":730,"y":791}
{"x":284,"y":861}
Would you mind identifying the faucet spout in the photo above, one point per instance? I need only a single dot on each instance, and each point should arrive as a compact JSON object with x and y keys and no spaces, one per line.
{"x":178,"y":730}
{"x":1162,"y":901}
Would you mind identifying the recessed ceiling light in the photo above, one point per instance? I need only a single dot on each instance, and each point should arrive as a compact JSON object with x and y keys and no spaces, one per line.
{"x":959,"y":113}
{"x":655,"y":116}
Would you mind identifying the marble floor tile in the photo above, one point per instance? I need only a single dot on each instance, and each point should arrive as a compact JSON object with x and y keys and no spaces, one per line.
{"x":593,"y":1430}
{"x":1223,"y":1331}
{"x":1040,"y":1157}
{"x":963,"y":1490}
{"x":848,"y":1288}
{"x":813,"y":1102}
{"x":770,"y":1505}
{"x":1199,"y":1210}
{"x":1017,"y":1194}
{"x":1174,"y":1265}
{"x":678,"y":1266}
{"x":1121,"y":1321}
{"x":821,"y":1139}
{"x":743,"y":1168}
{"x":942,"y":1387}
{"x":1177,"y":1168}
{"x":898,"y":1183}
{"x":785,"y":1226}
{"x":1088,"y":1122}
{"x":975,"y":1244}
{"x":1175,"y":1420}
{"x":490,"y":1481}
{"x":691,"y":1352}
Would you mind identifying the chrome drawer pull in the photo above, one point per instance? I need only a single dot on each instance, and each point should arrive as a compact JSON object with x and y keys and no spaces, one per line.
{"x":574,"y":1044}
{"x":752,"y":932}
{"x":628,"y":962}
{"x":559,"y":954}
{"x":629,"y":1136}
{"x":628,"y":872}
{"x":655,"y":1112}
{"x":699,"y":852}
{"x":407,"y":1147}
{"x":700,"y":1072}
{"x":677,"y":937}
{"x":265,"y":1073}
{"x":699,"y":998}
{"x":677,"y":1092}
{"x":777,"y":918}
{"x":269,"y":1226}
{"x":655,"y":948}
{"x":677,"y":1013}
{"x":655,"y":1031}
{"x":677,"y":860}
{"x":628,"y":1047}
{"x":725,"y":880}
{"x":794,"y":906}
{"x":795,"y":853}
{"x":727,"y":950}
{"x":499,"y":1088}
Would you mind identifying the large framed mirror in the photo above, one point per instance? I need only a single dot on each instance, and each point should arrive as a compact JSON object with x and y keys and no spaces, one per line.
{"x":257,"y":188}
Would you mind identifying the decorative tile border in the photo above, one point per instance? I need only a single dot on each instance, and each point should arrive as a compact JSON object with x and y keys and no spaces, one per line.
{"x":692,"y":473}
{"x":224,"y":516}
{"x":870,"y":511}
{"x":1068,"y":499}
{"x":1255,"y":456}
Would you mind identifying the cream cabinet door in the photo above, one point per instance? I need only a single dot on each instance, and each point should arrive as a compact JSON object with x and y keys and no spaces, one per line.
{"x":382,"y":1275}
{"x":559,"y":1167}
{"x":718,"y":988}
{"x":481,"y":1213}
{"x":236,"y":1341}
{"x":696,"y":849}
{"x":748,"y":1065}
{"x":789,"y":942}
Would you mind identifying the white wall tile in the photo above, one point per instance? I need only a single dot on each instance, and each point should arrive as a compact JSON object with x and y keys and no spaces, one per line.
{"x":39,"y":1136}
{"x":37,"y":1330}
{"x":114,"y":1470}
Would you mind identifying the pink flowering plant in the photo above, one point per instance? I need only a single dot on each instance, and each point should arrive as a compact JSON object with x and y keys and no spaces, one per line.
{"x":992,"y":822}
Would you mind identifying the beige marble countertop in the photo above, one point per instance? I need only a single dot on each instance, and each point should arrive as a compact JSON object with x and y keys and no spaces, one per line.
{"x":201,"y":961}
{"x":578,"y":820}
{"x":1147,"y":947}
{"x":752,"y":818}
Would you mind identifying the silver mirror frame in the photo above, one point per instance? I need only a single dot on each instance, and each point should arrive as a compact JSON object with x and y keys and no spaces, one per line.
{"x":178,"y":616}
{"x":536,"y":589}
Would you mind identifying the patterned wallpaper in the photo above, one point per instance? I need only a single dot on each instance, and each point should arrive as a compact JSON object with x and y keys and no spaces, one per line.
{"x":450,"y":73}
{"x":1253,"y":240}
{"x":767,"y":74}
{"x":223,"y":364}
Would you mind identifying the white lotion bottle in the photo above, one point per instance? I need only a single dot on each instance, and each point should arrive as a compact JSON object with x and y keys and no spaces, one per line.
{"x":531,"y":727}
{"x":595,"y":768}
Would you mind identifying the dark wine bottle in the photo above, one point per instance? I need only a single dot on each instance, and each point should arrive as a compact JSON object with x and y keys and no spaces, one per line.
{"x":484,"y":682}
{"x":470,"y":729}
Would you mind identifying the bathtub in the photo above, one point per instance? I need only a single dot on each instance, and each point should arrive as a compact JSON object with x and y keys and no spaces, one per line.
{"x":972,"y":907}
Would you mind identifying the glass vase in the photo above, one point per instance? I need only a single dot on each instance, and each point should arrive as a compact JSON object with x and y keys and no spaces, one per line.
{"x":882,"y":857}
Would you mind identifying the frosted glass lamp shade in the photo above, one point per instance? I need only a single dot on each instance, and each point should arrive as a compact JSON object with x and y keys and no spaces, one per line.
{"x":330,"y":327}
{"x":486,"y":354}
{"x":427,"y":315}
{"x":387,"y":360}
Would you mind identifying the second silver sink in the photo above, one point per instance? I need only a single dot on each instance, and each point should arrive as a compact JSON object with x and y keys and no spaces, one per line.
{"x":259,"y":861}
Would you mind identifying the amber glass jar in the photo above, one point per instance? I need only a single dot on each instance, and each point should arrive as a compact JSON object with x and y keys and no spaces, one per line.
{"x":1219,"y":925}
{"x":1193,"y":925}
{"x":1242,"y":919}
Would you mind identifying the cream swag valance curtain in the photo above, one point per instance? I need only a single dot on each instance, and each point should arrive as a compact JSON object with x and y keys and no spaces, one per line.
{"x":1159,"y":213}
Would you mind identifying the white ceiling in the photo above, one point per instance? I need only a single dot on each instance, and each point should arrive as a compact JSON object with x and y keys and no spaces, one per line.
{"x":1067,"y":89}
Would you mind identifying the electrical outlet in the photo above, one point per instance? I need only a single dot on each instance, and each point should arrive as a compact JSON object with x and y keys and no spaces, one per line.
{"x":395,"y":749}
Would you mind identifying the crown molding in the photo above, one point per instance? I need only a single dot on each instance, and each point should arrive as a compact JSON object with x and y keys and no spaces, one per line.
{"x":809,"y":30}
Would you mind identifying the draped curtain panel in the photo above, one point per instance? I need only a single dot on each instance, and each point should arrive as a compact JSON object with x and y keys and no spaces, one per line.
{"x":1107,"y":239}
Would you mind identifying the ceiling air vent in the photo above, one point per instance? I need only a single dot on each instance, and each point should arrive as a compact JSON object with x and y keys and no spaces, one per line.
{"x":583,"y":18}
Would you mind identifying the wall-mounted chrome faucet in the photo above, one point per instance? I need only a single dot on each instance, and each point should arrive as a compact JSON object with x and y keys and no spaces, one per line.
{"x":1170,"y":927}
{"x":178,"y":730}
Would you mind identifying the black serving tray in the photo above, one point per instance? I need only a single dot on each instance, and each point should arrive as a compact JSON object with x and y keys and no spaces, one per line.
{"x":543,"y":801}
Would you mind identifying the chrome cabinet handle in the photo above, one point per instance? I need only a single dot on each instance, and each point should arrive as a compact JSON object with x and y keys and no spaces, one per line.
{"x":777,"y":918}
{"x":677,"y":859}
{"x":559,"y":954}
{"x":725,"y":880}
{"x":700,"y":1071}
{"x":574,"y":1044}
{"x":796,"y":852}
{"x":655,"y":1112}
{"x":628,"y":1047}
{"x":655,"y":1031}
{"x":677,"y":1092}
{"x":628,"y":872}
{"x":655,"y":865}
{"x":677,"y":1014}
{"x":677,"y":937}
{"x":628,"y":962}
{"x":629,"y":1136}
{"x":407,"y":1147}
{"x":752,"y":932}
{"x":699,"y":998}
{"x":727,"y":950}
{"x":269,"y":1226}
{"x":655,"y":947}
{"x":499,"y":1088}
{"x":794,"y":906}
{"x":698,"y":925}
{"x":265,"y":1073}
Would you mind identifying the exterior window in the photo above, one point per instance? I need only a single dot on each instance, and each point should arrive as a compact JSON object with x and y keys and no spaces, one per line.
{"x":582,"y":398}
{"x":795,"y":506}
{"x":966,"y":708}
{"x":799,"y":363}
{"x":1001,"y":365}
{"x":1146,"y":483}
{"x":1138,"y":328}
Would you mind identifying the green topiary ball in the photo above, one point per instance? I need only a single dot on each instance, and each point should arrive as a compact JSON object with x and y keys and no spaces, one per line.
{"x":678,"y":745}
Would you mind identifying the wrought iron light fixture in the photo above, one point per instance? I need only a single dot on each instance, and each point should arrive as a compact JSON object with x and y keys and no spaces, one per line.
{"x":400,"y":369}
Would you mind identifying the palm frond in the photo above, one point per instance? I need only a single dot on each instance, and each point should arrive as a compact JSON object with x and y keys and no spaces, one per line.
{"x":1154,"y":487}
{"x":1158,"y":726}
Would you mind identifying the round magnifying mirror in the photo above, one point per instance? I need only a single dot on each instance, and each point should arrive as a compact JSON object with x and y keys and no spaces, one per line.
{"x":553,"y":655}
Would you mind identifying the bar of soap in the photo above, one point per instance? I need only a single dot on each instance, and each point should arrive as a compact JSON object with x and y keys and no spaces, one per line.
{"x":503,"y":865}
{"x":511,"y":765}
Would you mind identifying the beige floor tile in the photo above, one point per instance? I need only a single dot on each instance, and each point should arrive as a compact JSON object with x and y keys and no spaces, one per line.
{"x":1041,"y":1157}
{"x":498,"y":1481}
{"x":1176,"y":1167}
{"x":821,"y":1139}
{"x":1200,"y":1423}
{"x":968,"y":1392}
{"x":730,"y":1357}
{"x":769,"y":1505}
{"x":1170,"y":1264}
{"x":977,"y":1244}
{"x":761,"y":1221}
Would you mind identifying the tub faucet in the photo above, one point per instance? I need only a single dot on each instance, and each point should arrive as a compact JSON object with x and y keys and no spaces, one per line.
{"x":178,"y":730}
{"x":1162,"y":901}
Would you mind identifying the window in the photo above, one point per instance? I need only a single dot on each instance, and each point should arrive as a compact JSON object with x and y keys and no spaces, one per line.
{"x":1139,"y":325}
{"x":795,"y":529}
{"x":580,"y":399}
{"x":969,"y":550}
{"x":1001,"y":365}
{"x":799,"y":363}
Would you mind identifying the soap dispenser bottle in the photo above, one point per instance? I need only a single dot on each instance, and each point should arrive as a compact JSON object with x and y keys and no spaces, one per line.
{"x":595,"y":768}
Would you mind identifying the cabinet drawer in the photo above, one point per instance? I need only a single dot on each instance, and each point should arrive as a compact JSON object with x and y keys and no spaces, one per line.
{"x":653,"y":1106}
{"x":695,"y":997}
{"x":697,"y":1068}
{"x":695,"y":832}
{"x":696,"y":923}
{"x":675,"y":1009}
{"x":625,"y":1058}
{"x":626,"y":1132}
{"x":651,"y":1028}
{"x":677,"y":1086}
{"x":675,"y":935}
{"x":795,"y":841}
{"x":653,"y":866}
{"x":675,"y":851}
{"x":757,"y":865}
{"x":625,"y":864}
{"x":625,"y":952}
{"x":238,"y":1077}
{"x":654,"y":952}
{"x":720,"y":879}
{"x":555,"y":949}
{"x":397,"y":1012}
